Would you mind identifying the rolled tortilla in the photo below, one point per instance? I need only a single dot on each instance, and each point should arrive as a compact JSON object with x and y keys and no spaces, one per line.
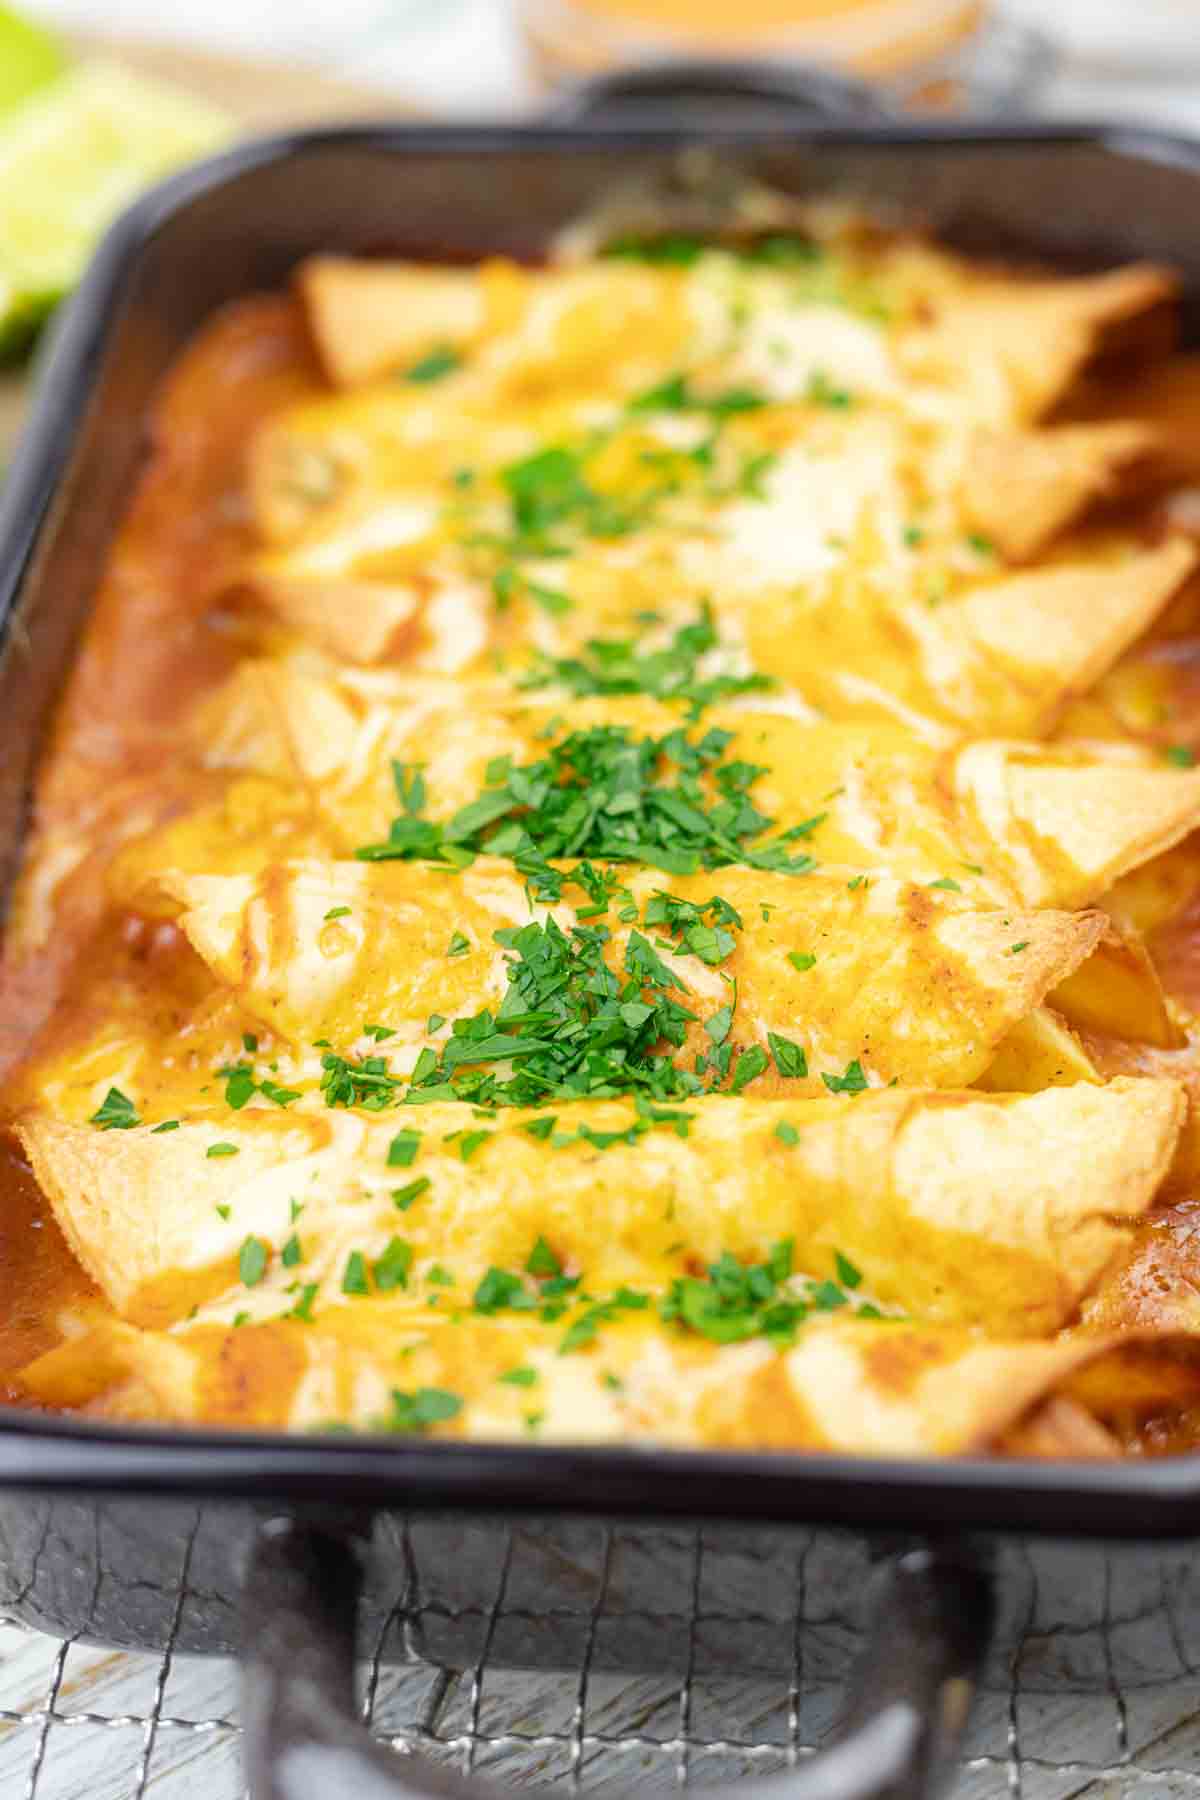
{"x":847,"y":1385}
{"x":1040,"y":826}
{"x":993,"y":1211}
{"x":1020,"y":489}
{"x":1005,"y":659}
{"x":913,"y":981}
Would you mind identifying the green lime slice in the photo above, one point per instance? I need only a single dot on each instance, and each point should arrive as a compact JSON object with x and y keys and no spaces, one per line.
{"x":29,"y":58}
{"x":71,"y":158}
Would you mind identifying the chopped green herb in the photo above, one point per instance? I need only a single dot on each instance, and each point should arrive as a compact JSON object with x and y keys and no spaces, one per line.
{"x":790,"y":1058}
{"x":750,"y":1064}
{"x":167,"y":1125}
{"x":523,"y":1377}
{"x":847,"y":1274}
{"x":303,"y":1307}
{"x":948,"y":882}
{"x":459,"y":945}
{"x":500,"y":1289}
{"x":252,"y":1261}
{"x":619,"y":666}
{"x":291,"y":1253}
{"x":282,"y":1096}
{"x":222,"y":1211}
{"x":116,"y":1112}
{"x":542,"y":1260}
{"x":852,"y":1082}
{"x":470,"y":1142}
{"x":249,"y":1043}
{"x":402,"y":1151}
{"x":416,"y":1412}
{"x":801,"y":959}
{"x":403,"y":1197}
{"x":442,"y":361}
{"x":786,"y":1133}
{"x":221,"y":1150}
{"x":1016,"y":949}
{"x":393,"y":1268}
{"x":354,"y":1276}
{"x":337,"y":912}
{"x":1181,"y":755}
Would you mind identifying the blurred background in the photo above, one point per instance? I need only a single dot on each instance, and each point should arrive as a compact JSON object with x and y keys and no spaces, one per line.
{"x":472,"y":55}
{"x":99,"y":99}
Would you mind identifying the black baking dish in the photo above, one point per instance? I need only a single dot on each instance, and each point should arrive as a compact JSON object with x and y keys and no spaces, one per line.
{"x":1081,"y":195}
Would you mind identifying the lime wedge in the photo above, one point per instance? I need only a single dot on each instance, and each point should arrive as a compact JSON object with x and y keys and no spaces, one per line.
{"x":29,"y":58}
{"x":71,"y":158}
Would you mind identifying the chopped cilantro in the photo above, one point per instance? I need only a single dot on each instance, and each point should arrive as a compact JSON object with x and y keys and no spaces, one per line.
{"x":354,"y":1276}
{"x":116,"y":1112}
{"x":416,"y":1412}
{"x":500,"y":1289}
{"x":282,"y":1096}
{"x":801,"y":959}
{"x":337,"y":912}
{"x":1016,"y":949}
{"x":750,"y":1064}
{"x":366,"y":1083}
{"x":240,"y":1085}
{"x":221,"y":1150}
{"x":620,"y":666}
{"x":434,"y":1022}
{"x":393,"y":1268}
{"x":378,"y":1032}
{"x":786,"y":1133}
{"x":522,"y":1377}
{"x":291,"y":1253}
{"x":738,"y":1301}
{"x":470,"y":1142}
{"x":459,"y":945}
{"x":167,"y":1125}
{"x":222,"y":1211}
{"x":441,"y":361}
{"x":790,"y":1058}
{"x":948,"y":882}
{"x":249,"y":1043}
{"x":402,"y":1151}
{"x":852,"y":1082}
{"x":403,"y":1197}
{"x":542,"y":1260}
{"x":605,"y":793}
{"x":847,"y":1274}
{"x":252,"y":1261}
{"x":1181,"y":755}
{"x":303,"y":1307}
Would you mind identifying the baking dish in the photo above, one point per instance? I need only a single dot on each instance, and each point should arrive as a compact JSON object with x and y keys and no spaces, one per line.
{"x":1078,"y":195}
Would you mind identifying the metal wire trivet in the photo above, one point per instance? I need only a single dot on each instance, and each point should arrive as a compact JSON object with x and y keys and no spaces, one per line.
{"x":1124,"y":1720}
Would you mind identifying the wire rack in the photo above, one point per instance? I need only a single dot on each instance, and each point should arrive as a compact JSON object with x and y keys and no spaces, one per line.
{"x":1093,"y":1688}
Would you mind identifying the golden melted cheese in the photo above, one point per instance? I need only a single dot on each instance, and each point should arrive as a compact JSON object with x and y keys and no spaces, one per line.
{"x":808,"y":1113}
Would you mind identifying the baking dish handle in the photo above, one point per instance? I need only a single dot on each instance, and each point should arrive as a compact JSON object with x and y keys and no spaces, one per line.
{"x":735,"y":92}
{"x":910,"y":1692}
